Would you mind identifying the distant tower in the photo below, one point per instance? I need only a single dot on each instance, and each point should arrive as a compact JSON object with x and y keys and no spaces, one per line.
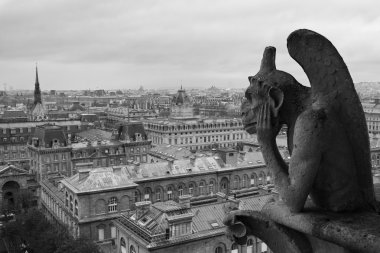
{"x":37,"y":90}
{"x":38,"y":112}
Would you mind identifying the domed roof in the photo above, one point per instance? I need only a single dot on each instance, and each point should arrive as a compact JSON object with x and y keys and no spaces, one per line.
{"x":181,"y":97}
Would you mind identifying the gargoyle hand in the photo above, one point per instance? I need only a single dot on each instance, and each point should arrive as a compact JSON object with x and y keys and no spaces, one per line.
{"x":266,"y":129}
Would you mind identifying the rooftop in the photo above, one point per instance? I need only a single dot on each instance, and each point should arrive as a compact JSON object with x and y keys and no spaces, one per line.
{"x":99,"y":179}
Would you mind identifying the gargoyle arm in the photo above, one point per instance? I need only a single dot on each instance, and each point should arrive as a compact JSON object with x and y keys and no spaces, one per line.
{"x":294,"y":186}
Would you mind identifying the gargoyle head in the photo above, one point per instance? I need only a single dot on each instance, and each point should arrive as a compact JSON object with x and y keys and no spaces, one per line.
{"x":267,"y":86}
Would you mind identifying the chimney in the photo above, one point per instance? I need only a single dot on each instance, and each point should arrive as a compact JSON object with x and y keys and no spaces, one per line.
{"x":192,"y":161}
{"x":242,"y":155}
{"x":184,"y":200}
{"x":117,"y":170}
{"x":170,"y":164}
{"x":142,"y":207}
{"x":221,"y":197}
{"x":83,"y":173}
{"x":136,"y":167}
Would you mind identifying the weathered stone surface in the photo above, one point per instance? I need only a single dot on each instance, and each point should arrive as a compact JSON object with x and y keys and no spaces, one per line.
{"x":358,"y":232}
{"x":327,"y":132}
{"x":243,"y":223}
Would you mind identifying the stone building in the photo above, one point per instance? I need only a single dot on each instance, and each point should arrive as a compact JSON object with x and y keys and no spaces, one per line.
{"x":181,"y":227}
{"x":52,"y":154}
{"x":49,"y":152}
{"x":372,"y":115}
{"x":18,"y":188}
{"x":95,"y":197}
{"x":197,"y":134}
{"x":14,"y":137}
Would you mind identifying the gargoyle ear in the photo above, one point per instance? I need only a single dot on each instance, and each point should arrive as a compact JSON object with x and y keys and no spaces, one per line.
{"x":277,"y":96}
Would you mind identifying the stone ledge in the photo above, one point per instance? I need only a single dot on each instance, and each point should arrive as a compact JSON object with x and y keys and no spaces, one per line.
{"x":359,"y":232}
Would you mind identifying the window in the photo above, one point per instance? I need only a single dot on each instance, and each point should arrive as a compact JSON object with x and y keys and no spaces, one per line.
{"x":71,"y":203}
{"x":67,"y":199}
{"x":158,"y":194}
{"x":202,"y":188}
{"x":170,"y":193}
{"x":219,"y":250}
{"x":234,"y":248}
{"x":137,"y":196}
{"x":180,"y":190}
{"x":147,"y":194}
{"x":132,"y":249}
{"x":76,"y":207}
{"x":191,"y":189}
{"x":211,"y":187}
{"x":113,"y":231}
{"x":250,"y":246}
{"x":63,"y":156}
{"x":123,"y":246}
{"x":100,"y":233}
{"x":112,"y":205}
{"x":236,"y":182}
{"x":55,"y":157}
{"x":245,"y":181}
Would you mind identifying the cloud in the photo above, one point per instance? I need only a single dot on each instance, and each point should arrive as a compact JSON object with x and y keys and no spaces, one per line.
{"x":158,"y":43}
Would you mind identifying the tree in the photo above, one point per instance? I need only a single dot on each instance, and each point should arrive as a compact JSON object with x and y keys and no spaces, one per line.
{"x":80,"y":245}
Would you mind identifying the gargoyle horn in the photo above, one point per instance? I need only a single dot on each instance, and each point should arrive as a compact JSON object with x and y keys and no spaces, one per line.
{"x":268,"y":63}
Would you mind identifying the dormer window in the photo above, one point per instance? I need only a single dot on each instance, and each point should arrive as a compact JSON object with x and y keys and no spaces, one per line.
{"x":55,"y":143}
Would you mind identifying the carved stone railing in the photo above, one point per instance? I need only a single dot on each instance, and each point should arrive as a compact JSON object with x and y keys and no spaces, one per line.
{"x":309,"y":231}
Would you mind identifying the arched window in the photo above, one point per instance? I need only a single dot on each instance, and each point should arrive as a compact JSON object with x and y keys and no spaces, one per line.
{"x":234,"y":248}
{"x":191,"y":189}
{"x":132,"y":249}
{"x":219,"y":249}
{"x":137,"y":196}
{"x":202,"y":188}
{"x":262,"y":178}
{"x":250,"y":245}
{"x":245,"y":181}
{"x":253,"y":179}
{"x":158,"y":194}
{"x":211,"y":187}
{"x":170,"y":193}
{"x":101,"y":233}
{"x":147,"y":193}
{"x":113,"y":230}
{"x":269,"y":178}
{"x":112,"y":205}
{"x":123,"y":246}
{"x":76,"y":207}
{"x":236,"y":182}
{"x":71,"y":203}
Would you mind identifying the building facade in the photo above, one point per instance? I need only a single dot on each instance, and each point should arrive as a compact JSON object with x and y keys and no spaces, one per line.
{"x":197,"y":134}
{"x":14,"y":138}
{"x":96,"y":197}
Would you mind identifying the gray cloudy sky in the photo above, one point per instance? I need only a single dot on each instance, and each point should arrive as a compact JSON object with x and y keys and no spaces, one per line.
{"x":82,"y":44}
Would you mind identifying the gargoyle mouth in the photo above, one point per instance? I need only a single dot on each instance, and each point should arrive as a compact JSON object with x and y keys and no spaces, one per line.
{"x":250,"y":127}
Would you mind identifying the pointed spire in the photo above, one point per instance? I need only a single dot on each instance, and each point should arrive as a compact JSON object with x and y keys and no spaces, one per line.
{"x":37,"y":90}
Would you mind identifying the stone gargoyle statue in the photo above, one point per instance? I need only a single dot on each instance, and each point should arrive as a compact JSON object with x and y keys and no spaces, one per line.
{"x":326,"y":128}
{"x":329,"y":146}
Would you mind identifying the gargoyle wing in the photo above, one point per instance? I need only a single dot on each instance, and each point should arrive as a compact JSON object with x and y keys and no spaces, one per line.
{"x":332,"y":87}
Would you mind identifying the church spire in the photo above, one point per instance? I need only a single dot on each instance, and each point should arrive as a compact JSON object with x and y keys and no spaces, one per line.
{"x":37,"y":90}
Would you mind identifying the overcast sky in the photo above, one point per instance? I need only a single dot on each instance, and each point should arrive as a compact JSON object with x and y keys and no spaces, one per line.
{"x":90,"y":44}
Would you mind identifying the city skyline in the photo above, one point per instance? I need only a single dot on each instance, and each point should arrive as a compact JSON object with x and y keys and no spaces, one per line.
{"x":160,"y":44}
